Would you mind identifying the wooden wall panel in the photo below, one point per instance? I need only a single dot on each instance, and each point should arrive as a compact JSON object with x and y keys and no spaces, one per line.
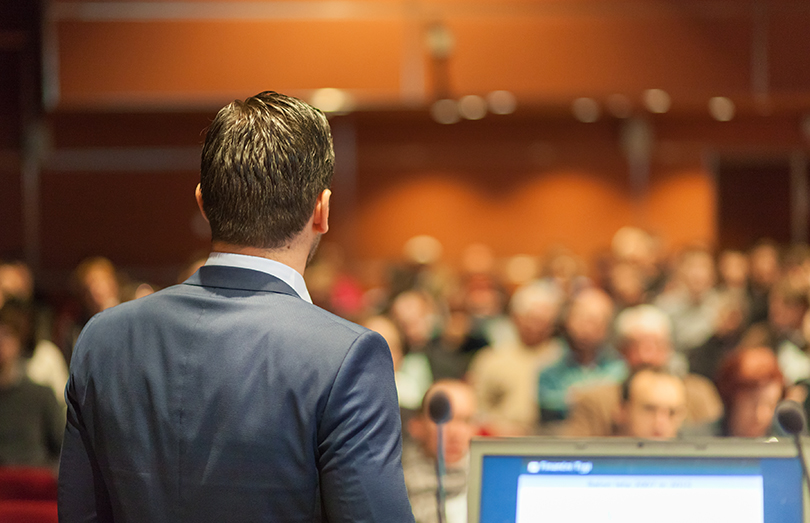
{"x":547,"y":52}
{"x":561,"y":58}
{"x":682,"y":207}
{"x":11,"y":226}
{"x":197,"y":62}
{"x":789,"y":65}
{"x":137,"y":219}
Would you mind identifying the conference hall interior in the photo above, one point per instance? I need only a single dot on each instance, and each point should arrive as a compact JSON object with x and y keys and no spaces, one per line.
{"x":535,"y":202}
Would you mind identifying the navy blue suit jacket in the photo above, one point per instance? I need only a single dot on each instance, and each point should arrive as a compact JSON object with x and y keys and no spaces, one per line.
{"x":229,"y":398}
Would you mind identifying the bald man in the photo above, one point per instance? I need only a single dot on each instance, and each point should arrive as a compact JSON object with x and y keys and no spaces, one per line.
{"x":653,"y":405}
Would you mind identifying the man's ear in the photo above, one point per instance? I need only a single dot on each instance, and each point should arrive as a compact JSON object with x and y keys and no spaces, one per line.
{"x":320,"y":217}
{"x":198,"y":196}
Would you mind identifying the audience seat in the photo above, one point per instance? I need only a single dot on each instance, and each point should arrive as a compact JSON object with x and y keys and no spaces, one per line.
{"x":28,"y":511}
{"x":27,"y":483}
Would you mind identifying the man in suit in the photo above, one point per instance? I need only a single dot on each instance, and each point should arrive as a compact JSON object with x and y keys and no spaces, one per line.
{"x":231,"y":397}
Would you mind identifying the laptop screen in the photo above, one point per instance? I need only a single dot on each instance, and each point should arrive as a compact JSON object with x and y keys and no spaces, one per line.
{"x":619,"y":480}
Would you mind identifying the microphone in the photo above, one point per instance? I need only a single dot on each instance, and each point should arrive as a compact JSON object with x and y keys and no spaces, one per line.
{"x":790,"y":416}
{"x":440,"y":412}
{"x":439,"y":408}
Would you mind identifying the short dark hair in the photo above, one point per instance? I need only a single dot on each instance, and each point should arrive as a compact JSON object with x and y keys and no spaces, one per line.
{"x":264,"y":162}
{"x":627,"y":384}
{"x":746,"y":368}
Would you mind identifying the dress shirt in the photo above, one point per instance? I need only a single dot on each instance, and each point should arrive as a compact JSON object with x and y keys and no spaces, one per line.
{"x":281,"y":271}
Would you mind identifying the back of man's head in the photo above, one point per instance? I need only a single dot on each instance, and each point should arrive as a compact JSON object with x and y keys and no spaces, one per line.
{"x":264,"y":162}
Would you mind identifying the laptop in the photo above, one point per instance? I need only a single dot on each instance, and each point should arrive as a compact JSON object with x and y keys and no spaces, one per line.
{"x":624,"y":480}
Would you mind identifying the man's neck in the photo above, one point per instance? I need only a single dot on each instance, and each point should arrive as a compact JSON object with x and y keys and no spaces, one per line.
{"x":286,"y":255}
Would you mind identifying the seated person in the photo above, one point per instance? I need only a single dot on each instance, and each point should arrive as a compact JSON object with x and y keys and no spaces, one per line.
{"x":411,"y":372}
{"x":751,"y":385}
{"x":783,"y":331}
{"x":505,"y":377}
{"x":587,"y":358}
{"x":419,"y":454}
{"x":31,"y":421}
{"x":653,"y":405}
{"x":692,"y":301}
{"x":643,"y":337}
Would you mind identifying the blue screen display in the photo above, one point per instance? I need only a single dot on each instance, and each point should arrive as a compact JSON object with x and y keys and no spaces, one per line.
{"x":519,"y":489}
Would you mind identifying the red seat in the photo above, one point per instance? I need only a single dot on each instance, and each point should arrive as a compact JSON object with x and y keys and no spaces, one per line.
{"x":27,"y":483}
{"x":27,"y":511}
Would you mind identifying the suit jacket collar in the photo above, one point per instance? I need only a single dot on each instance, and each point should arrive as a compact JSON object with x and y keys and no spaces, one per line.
{"x":237,"y":278}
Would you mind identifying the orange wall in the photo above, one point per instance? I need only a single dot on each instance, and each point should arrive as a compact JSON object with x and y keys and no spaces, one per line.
{"x":520,"y":185}
{"x":544,"y":51}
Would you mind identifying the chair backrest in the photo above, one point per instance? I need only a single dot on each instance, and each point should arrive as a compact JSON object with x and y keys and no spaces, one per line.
{"x":27,"y":511}
{"x":27,"y":483}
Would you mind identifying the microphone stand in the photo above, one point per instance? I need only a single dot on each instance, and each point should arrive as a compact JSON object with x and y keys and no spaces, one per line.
{"x":798,"y":440}
{"x":440,"y":472}
{"x":440,"y":412}
{"x":791,"y":418}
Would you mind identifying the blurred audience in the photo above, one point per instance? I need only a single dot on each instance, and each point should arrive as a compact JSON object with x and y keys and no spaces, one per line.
{"x":411,"y":372}
{"x":553,"y":363}
{"x":96,"y":287}
{"x":751,"y":385}
{"x":626,"y":286}
{"x":653,"y":405}
{"x":586,"y":359}
{"x":733,"y":271}
{"x":644,"y":340}
{"x":505,"y":377}
{"x":16,"y":282}
{"x":96,"y":284}
{"x":43,"y":362}
{"x":32,"y":421}
{"x":691,"y":302}
{"x":730,"y":322}
{"x":783,"y":332}
{"x":764,"y":271}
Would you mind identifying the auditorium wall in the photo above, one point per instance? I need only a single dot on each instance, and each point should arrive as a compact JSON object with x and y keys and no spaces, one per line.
{"x":520,"y":184}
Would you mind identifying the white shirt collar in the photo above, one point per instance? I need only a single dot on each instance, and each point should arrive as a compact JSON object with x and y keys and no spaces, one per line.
{"x":283,"y":272}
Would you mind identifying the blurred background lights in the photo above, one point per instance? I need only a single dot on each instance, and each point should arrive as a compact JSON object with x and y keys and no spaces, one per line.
{"x":657,"y":101}
{"x":423,"y":249}
{"x":331,"y":100}
{"x":721,"y":108}
{"x":585,"y":110}
{"x":445,"y":111}
{"x":619,"y":105}
{"x":472,"y":107}
{"x":521,"y":269}
{"x":440,"y":41}
{"x":501,"y":102}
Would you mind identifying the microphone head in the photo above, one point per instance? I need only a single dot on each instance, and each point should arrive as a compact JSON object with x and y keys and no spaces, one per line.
{"x":439,"y":408}
{"x":790,"y":417}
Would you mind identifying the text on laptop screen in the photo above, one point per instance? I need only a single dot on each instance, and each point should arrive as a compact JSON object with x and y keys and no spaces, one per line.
{"x":603,"y":489}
